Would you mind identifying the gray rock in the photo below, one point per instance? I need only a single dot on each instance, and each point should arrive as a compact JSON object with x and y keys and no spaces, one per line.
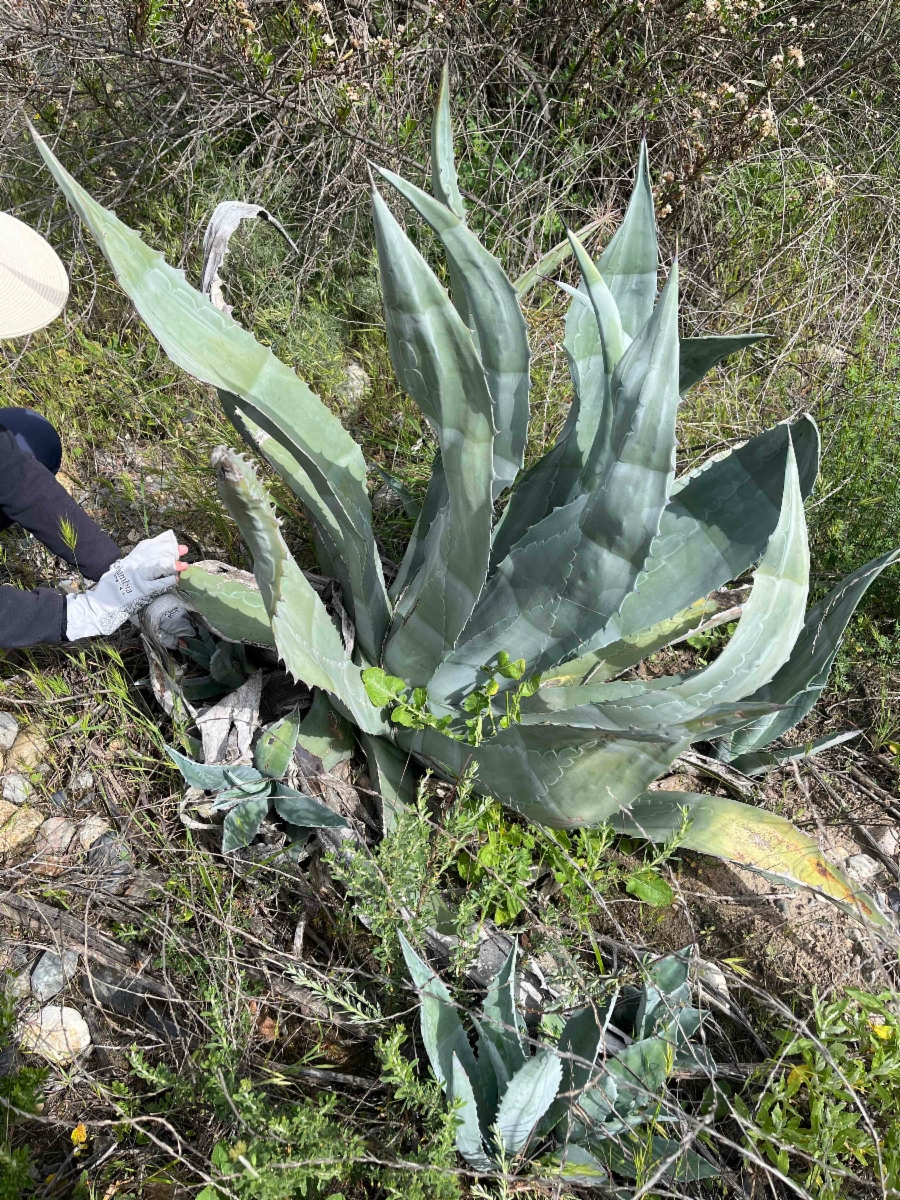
{"x":52,"y":973}
{"x":161,"y":1024}
{"x":90,"y":830}
{"x":80,"y":783}
{"x":17,"y":957}
{"x":888,"y":839}
{"x":56,"y":1034}
{"x":110,"y":859}
{"x":16,"y":788}
{"x":146,"y":885}
{"x":19,"y":986}
{"x":17,"y":826}
{"x":29,"y":751}
{"x":118,"y":990}
{"x":385,"y":499}
{"x":355,"y":384}
{"x":862,"y":867}
{"x":58,"y":799}
{"x":9,"y":731}
{"x":55,"y":836}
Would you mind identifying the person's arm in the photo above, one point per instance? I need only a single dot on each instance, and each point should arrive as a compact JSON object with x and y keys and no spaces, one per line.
{"x":30,"y":618}
{"x":31,"y":496}
{"x":47,"y":616}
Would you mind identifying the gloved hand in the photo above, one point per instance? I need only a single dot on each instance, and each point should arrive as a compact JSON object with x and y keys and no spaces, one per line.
{"x":126,"y":587}
{"x":166,"y":620}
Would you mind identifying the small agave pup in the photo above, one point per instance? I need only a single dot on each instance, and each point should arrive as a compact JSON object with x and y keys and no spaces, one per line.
{"x":600,"y":557}
{"x":246,"y":793}
{"x":579,"y":1103}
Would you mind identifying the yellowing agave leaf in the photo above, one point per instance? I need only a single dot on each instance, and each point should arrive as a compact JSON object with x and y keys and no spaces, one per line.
{"x":753,"y":838}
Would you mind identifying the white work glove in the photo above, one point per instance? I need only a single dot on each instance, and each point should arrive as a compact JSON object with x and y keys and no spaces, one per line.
{"x":127,"y":586}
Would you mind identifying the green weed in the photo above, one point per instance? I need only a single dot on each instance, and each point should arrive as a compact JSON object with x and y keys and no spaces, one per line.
{"x":21,"y":1094}
{"x":830,"y":1116}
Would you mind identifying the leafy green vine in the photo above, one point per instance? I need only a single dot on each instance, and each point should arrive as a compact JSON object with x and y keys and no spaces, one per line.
{"x":410,"y":708}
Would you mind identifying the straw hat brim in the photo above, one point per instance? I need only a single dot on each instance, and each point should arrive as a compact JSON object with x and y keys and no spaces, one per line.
{"x":33,"y":282}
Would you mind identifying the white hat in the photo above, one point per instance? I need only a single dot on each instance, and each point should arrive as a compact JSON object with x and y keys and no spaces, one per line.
{"x":33,"y":282}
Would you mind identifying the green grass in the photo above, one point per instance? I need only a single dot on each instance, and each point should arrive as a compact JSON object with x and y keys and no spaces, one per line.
{"x":816,"y":274}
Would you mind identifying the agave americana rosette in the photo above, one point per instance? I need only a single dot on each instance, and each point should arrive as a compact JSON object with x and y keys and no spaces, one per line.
{"x":601,"y":555}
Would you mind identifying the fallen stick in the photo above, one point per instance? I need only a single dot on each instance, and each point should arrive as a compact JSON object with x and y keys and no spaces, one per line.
{"x":861,"y":834}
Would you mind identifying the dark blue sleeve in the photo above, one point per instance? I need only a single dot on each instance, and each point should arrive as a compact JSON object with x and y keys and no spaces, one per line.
{"x":31,"y":618}
{"x":31,"y":496}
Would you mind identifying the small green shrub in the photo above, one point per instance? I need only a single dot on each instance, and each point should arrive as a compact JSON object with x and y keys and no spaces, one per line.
{"x":20,"y":1092}
{"x":830,"y":1115}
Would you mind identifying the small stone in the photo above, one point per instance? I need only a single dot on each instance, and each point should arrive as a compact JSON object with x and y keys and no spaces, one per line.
{"x":9,"y":731}
{"x":80,"y":782}
{"x":52,"y":973}
{"x":53,"y":840}
{"x":19,"y":829}
{"x":355,"y":384}
{"x":54,"y":836}
{"x":16,"y":788}
{"x":111,"y":859}
{"x":29,"y":750}
{"x":19,"y":986}
{"x":17,"y":958}
{"x":676,"y":783}
{"x":146,"y":885}
{"x":56,"y":1034}
{"x":888,"y":840}
{"x":90,"y":830}
{"x":385,"y":499}
{"x":862,"y":867}
{"x":58,"y":799}
{"x":118,"y":990}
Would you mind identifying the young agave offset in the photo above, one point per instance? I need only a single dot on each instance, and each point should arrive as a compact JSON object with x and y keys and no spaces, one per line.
{"x":600,"y":557}
{"x":246,"y":793}
{"x":579,"y":1102}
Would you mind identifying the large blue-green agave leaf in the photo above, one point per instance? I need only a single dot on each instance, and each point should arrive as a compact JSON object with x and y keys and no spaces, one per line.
{"x":547,"y":598}
{"x":216,"y":350}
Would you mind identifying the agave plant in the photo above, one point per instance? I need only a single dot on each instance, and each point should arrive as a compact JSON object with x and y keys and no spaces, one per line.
{"x":587,"y":1095}
{"x":601,"y":555}
{"x":247,"y":793}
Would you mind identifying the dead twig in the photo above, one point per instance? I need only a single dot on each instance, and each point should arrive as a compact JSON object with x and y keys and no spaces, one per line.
{"x":330,"y":1078}
{"x":862,"y":835}
{"x":73,"y":933}
{"x":735,"y":781}
{"x":889,"y":803}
